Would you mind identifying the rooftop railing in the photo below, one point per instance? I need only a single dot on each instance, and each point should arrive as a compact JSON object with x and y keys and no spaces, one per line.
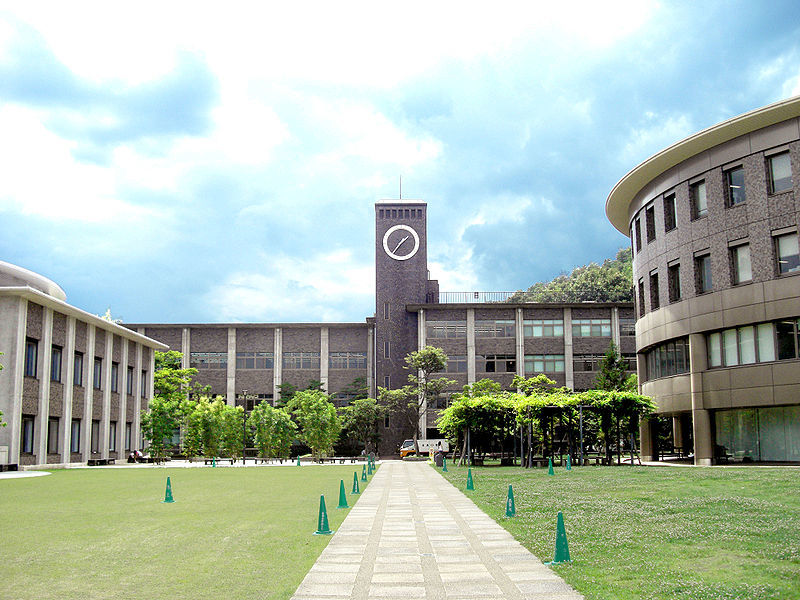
{"x":473,"y":297}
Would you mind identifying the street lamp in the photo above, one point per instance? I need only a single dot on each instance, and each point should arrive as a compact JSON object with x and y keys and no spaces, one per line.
{"x":244,"y":424}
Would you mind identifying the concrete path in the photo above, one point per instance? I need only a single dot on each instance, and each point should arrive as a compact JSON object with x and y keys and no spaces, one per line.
{"x":413,"y":535}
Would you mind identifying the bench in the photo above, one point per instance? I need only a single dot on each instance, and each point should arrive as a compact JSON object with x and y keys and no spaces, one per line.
{"x":210,"y":461}
{"x":95,"y":462}
{"x":10,"y":467}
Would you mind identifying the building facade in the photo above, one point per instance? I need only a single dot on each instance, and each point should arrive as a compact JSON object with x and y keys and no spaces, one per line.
{"x":73,"y":385}
{"x":713,"y":222}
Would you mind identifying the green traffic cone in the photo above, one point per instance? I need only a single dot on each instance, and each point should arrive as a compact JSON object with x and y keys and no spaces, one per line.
{"x":322,"y":521}
{"x":562,"y":548}
{"x":168,"y":493}
{"x":369,"y":467}
{"x":444,"y":464}
{"x":550,"y":467}
{"x":342,"y":495}
{"x":356,"y":490}
{"x":470,"y":485}
{"x":364,"y":473}
{"x":569,"y":463}
{"x":298,"y":460}
{"x":213,"y":462}
{"x":511,"y":510}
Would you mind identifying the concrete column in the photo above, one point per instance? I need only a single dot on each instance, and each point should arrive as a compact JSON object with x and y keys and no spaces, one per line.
{"x":88,"y":390}
{"x":151,"y":369}
{"x":701,"y":418}
{"x":46,"y":354}
{"x":186,"y":347}
{"x":231,"y":379}
{"x":677,"y":431}
{"x":14,"y":316}
{"x":421,"y":338}
{"x":615,"y":327}
{"x":520,"y":339}
{"x":277,"y":380}
{"x":371,"y":377}
{"x":569,"y":372}
{"x":647,"y":447}
{"x":123,"y":398}
{"x":105,"y":419}
{"x":68,"y":359}
{"x":471,"y":346}
{"x":324,"y":351}
{"x":136,"y":434}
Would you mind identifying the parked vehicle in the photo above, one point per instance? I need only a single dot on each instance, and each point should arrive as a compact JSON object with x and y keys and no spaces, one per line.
{"x":425,"y":446}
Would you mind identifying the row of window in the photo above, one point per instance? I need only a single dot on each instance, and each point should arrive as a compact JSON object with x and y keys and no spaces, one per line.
{"x":534,"y":363}
{"x":266,"y":360}
{"x":786,"y":261}
{"x":669,"y":358}
{"x":754,"y":343}
{"x":399,"y":213}
{"x":532,"y":328}
{"x":28,"y":435}
{"x":56,"y":361}
{"x":779,"y":179}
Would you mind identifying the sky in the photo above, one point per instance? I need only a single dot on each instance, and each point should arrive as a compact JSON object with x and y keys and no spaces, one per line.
{"x":189,"y":162}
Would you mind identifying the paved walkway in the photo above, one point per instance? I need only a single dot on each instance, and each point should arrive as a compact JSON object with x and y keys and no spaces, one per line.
{"x":413,"y":535}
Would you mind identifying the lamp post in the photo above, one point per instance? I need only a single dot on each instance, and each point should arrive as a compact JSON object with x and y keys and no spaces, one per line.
{"x":244,"y":424}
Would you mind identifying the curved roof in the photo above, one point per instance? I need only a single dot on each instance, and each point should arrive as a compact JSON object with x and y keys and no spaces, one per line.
{"x":620,"y":198}
{"x":12,"y":275}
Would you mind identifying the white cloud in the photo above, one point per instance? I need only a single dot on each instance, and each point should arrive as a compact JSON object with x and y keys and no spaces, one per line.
{"x":659,"y":133}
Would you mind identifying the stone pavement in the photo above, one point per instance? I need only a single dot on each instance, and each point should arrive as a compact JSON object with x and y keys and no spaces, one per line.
{"x":413,"y":535}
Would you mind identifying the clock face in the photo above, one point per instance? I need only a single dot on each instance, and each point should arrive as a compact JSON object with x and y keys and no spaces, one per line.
{"x":401,"y":242}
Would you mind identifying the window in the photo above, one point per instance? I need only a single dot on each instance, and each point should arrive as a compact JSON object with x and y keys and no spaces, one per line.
{"x":348,"y":360}
{"x":751,"y":344}
{"x":27,"y":433}
{"x":456,"y":364}
{"x":31,"y":356}
{"x":52,"y":435}
{"x":55,"y":363}
{"x":702,"y":269}
{"x":98,"y":373}
{"x":208,"y":360}
{"x":667,"y":359}
{"x":496,"y":363}
{"x":543,"y":328}
{"x":446,"y":330}
{"x":641,"y":297}
{"x":765,"y":337}
{"x":129,"y":381}
{"x":654,"y":303}
{"x":144,"y":381}
{"x":387,"y":382}
{"x":650,"y":223}
{"x":77,"y":374}
{"x":114,"y":377}
{"x":112,"y":436}
{"x":740,"y":260}
{"x":674,"y":282}
{"x":386,"y":421}
{"x":301,"y":360}
{"x":787,"y":252}
{"x":627,"y":326}
{"x":587,"y":362}
{"x":592,"y":327}
{"x":386,"y":349}
{"x":786,"y":333}
{"x":494,"y":329}
{"x":255,"y":360}
{"x":385,"y":310}
{"x":128,"y":435}
{"x":734,"y":184}
{"x":544,"y":363}
{"x":670,"y":219}
{"x":697,"y":196}
{"x":780,"y":173}
{"x":75,"y":436}
{"x":95,"y":441}
{"x":638,"y":236}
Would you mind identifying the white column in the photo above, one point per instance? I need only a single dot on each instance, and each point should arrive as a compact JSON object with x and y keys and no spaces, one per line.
{"x":421,"y":339}
{"x":371,"y":382}
{"x":46,"y":355}
{"x":615,"y":327}
{"x":520,"y":338}
{"x":19,"y":373}
{"x":68,"y":359}
{"x":136,"y":434}
{"x":186,"y":347}
{"x":568,"y":366}
{"x":423,"y":415}
{"x":470,"y":346}
{"x":231,"y":387}
{"x":277,"y":379}
{"x":88,"y":391}
{"x":105,"y":418}
{"x":324,"y":348}
{"x":123,"y":398}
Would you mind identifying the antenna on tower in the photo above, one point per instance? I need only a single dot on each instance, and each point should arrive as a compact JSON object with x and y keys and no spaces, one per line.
{"x":401,"y":187}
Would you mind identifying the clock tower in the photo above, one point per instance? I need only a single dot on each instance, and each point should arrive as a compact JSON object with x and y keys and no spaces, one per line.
{"x":401,"y":278}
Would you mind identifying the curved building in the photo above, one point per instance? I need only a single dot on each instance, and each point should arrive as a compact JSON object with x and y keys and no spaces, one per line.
{"x":713,"y":222}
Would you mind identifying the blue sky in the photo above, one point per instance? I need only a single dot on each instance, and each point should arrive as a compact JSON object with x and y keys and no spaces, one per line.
{"x":180,"y":163}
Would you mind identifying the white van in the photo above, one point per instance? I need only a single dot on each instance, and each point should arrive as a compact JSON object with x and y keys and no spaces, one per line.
{"x":425,"y":446}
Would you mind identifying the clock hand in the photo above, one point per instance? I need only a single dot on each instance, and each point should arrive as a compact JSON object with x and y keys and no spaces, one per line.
{"x":400,"y":243}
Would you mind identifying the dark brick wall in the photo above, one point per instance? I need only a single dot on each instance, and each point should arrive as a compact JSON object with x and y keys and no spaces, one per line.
{"x":171,"y":336}
{"x":207,"y":339}
{"x":348,"y":339}
{"x":301,"y":339}
{"x":543,"y":313}
{"x":255,"y":339}
{"x":544,"y":345}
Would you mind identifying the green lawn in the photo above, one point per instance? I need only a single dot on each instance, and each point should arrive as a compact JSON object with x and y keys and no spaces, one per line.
{"x":649,"y":532}
{"x":104,"y":533}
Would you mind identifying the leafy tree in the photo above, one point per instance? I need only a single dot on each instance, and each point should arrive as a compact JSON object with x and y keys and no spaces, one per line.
{"x":359,"y":388}
{"x":232,"y":431}
{"x":360,"y":421}
{"x":610,"y":282}
{"x":316,"y":416}
{"x":202,"y":427}
{"x":273,"y":430}
{"x":159,"y":423}
{"x":411,"y":400}
{"x":613,"y":371}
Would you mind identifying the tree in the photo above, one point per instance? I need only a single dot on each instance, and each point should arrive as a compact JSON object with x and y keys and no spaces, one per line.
{"x":232,"y":431}
{"x":411,"y":400}
{"x":273,"y":430}
{"x":202,"y":427}
{"x":613,"y":371}
{"x":159,"y":424}
{"x":317,"y":419}
{"x":360,"y":421}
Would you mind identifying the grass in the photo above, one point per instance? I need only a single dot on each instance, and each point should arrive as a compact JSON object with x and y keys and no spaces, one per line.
{"x":656,"y":533}
{"x":104,"y":533}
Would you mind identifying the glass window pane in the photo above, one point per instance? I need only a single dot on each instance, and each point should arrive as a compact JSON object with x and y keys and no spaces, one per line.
{"x":780,"y":170}
{"x":743,"y":270}
{"x":736,"y":193}
{"x":785,"y":334}
{"x":747,"y":345}
{"x":766,"y":343}
{"x":788,"y":255}
{"x":729,"y":347}
{"x":714,"y":353}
